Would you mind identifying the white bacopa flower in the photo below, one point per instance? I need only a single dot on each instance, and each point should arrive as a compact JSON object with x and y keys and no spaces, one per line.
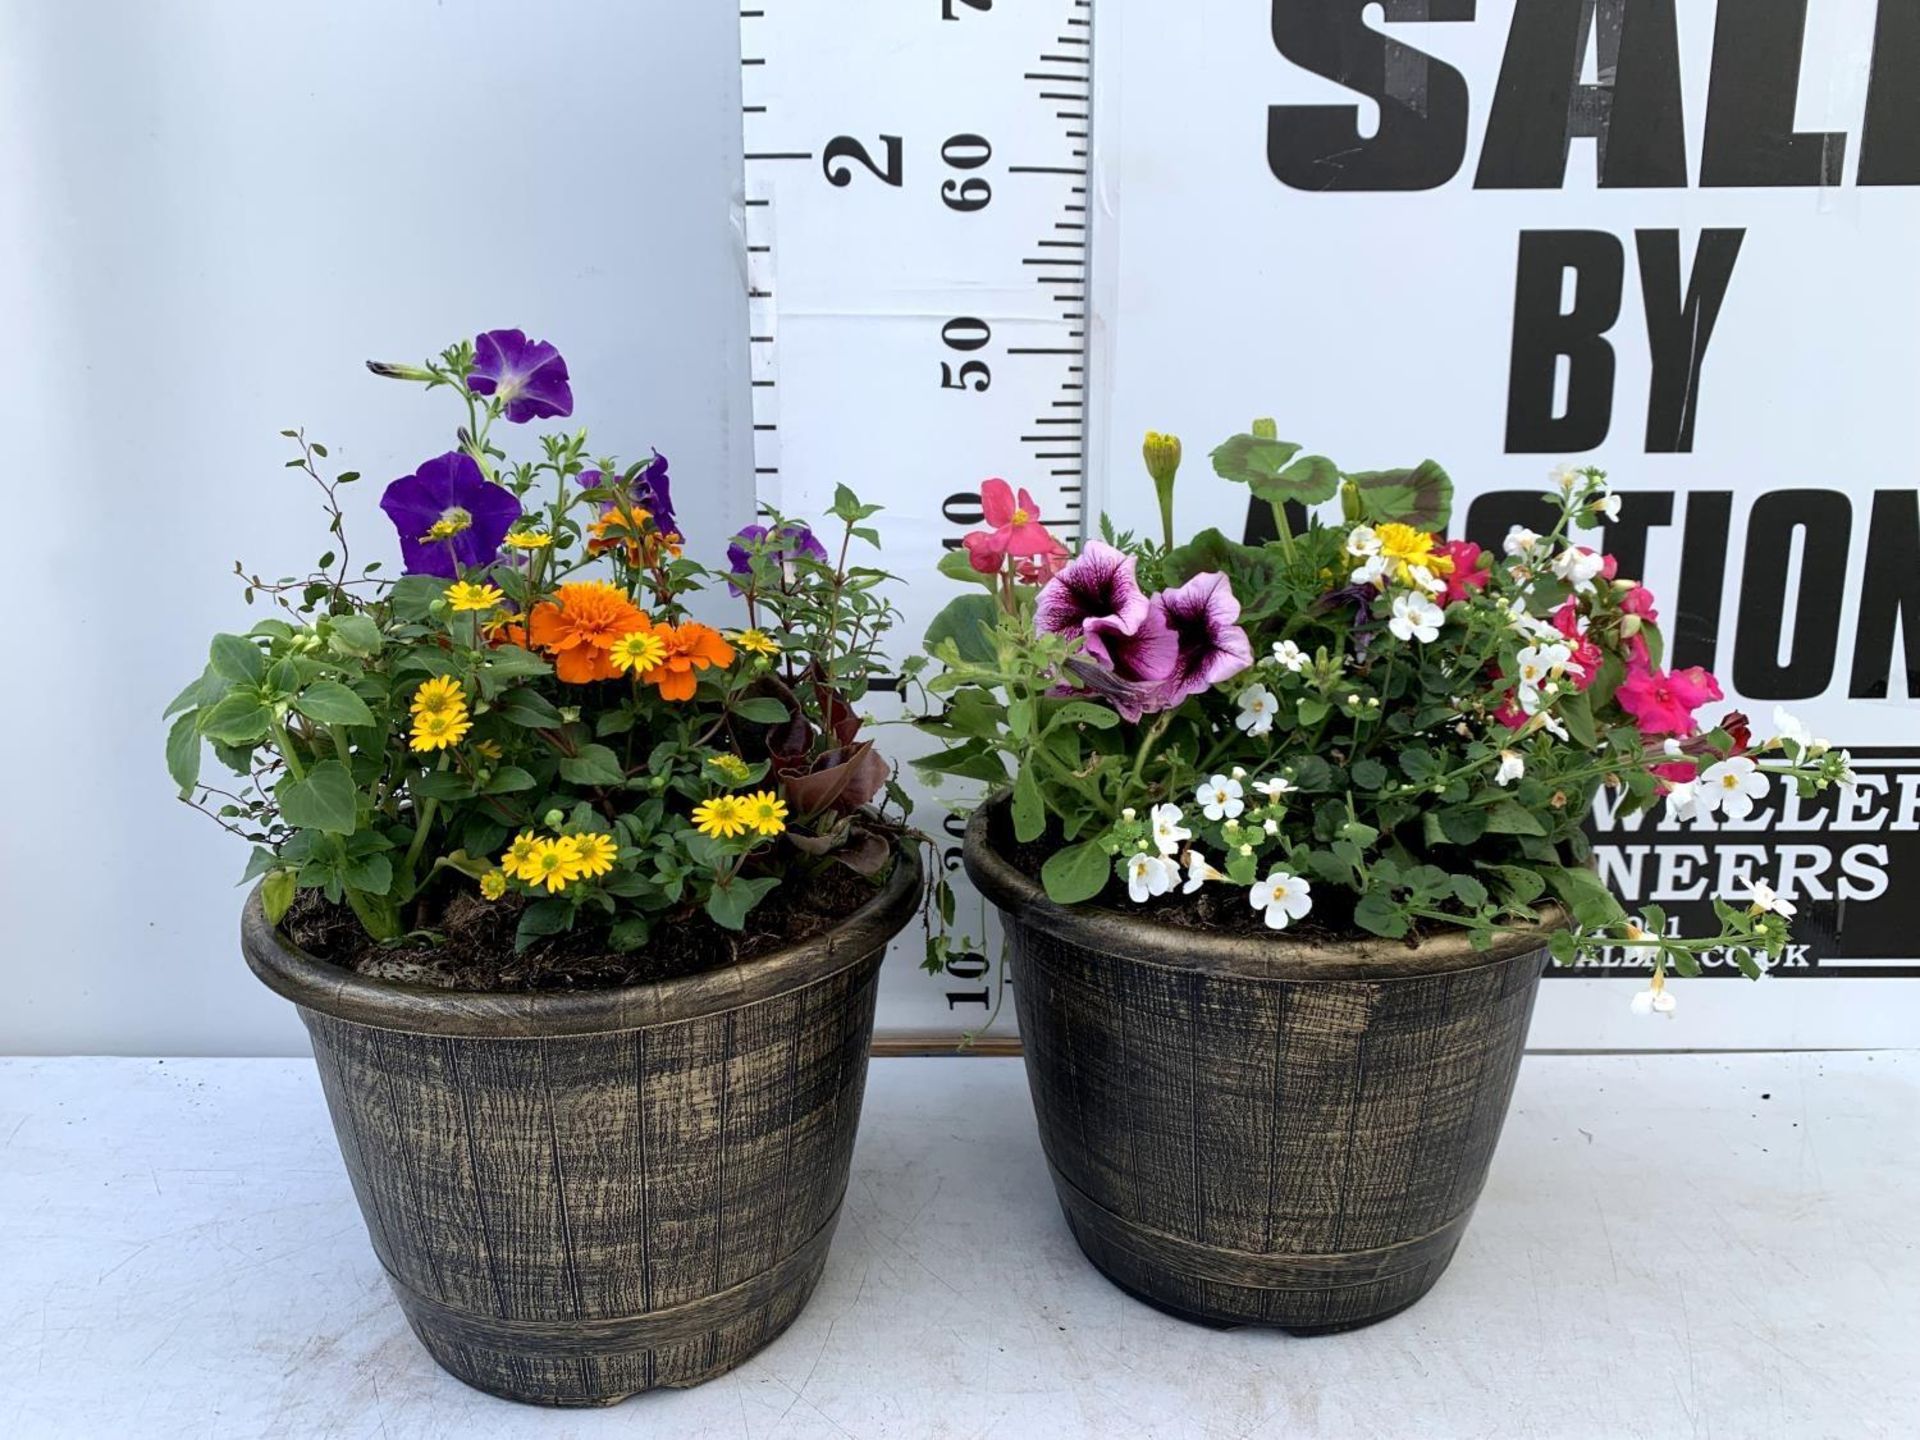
{"x":1362,"y":541}
{"x":1847,"y":778}
{"x":1550,"y":723}
{"x":1274,"y":789}
{"x":1270,"y":825}
{"x":1565,"y":479}
{"x":1767,"y":901}
{"x":1282,"y":897}
{"x":1289,"y":656}
{"x":1150,"y":875}
{"x":1578,"y":567}
{"x":1425,"y":579}
{"x":1257,"y":705}
{"x":1520,"y":541}
{"x":1537,"y":665}
{"x":1654,"y":1000}
{"x":1607,"y":506}
{"x":1683,"y":799}
{"x":1512,"y":767}
{"x":1198,"y":872}
{"x":1415,"y":617}
{"x":1732,"y":785}
{"x":1371,"y":571}
{"x":1789,"y":728}
{"x":1168,"y":832}
{"x":1220,"y":798}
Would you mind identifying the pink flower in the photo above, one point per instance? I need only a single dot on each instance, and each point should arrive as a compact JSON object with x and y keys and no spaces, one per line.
{"x":1510,"y":714}
{"x":1675,"y":772}
{"x":1586,"y":655}
{"x":1663,"y":704}
{"x":1467,"y":576}
{"x":1639,"y":601}
{"x":1014,"y":529}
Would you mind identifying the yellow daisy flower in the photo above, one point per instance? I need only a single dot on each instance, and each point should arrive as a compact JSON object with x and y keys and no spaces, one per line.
{"x":493,"y":885}
{"x":464,"y":596}
{"x":518,"y":859}
{"x":529,"y":540}
{"x":757,"y":642}
{"x":439,"y":696}
{"x":719,"y":818}
{"x":637,"y":650}
{"x":594,"y":852}
{"x":765,"y":811}
{"x":436,"y":730}
{"x":488,"y":749}
{"x":555,"y":864}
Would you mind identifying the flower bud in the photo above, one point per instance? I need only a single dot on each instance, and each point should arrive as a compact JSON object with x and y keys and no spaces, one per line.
{"x":1351,"y":510}
{"x":1265,"y":430}
{"x":389,"y":371}
{"x":554,"y":819}
{"x":1629,"y":626}
{"x":1162,"y":454}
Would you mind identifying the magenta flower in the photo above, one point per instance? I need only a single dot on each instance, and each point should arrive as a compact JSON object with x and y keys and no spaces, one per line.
{"x":1094,"y":595}
{"x":448,"y":515}
{"x":528,"y":376}
{"x":1663,"y":704}
{"x":1203,"y":616}
{"x":1013,"y":528}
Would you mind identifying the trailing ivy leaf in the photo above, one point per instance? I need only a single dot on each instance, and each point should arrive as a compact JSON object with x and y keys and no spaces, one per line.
{"x":324,"y":799}
{"x":762,"y":710}
{"x":1076,"y":873}
{"x":594,"y":765}
{"x":276,"y":894}
{"x":183,"y":750}
{"x":969,"y":622}
{"x":331,"y":703}
{"x":1029,"y":807}
{"x":1421,"y":497}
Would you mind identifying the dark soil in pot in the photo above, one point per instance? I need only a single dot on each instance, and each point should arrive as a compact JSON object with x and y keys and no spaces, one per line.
{"x":579,"y":1195}
{"x":1251,"y":1128}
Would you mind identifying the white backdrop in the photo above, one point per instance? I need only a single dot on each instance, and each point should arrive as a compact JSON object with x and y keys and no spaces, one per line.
{"x":210,"y":213}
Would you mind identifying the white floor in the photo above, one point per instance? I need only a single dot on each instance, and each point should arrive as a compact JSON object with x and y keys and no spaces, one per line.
{"x":1671,"y":1246}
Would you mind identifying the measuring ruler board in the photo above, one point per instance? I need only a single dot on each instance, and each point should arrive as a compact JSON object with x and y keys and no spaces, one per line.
{"x":917,"y":226}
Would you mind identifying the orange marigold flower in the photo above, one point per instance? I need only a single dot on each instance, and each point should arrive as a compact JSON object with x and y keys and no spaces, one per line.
{"x":580,"y":629}
{"x":641,"y":540}
{"x":691,"y":647}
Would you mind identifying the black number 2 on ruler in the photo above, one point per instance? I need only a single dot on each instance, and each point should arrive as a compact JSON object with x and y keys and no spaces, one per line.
{"x":843,"y":148}
{"x":947,"y":12}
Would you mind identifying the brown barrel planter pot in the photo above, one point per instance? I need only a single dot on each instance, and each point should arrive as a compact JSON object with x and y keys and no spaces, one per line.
{"x":1260,"y":1131}
{"x":581,"y":1196}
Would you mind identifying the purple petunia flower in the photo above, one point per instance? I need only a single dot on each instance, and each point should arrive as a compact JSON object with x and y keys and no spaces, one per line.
{"x":653,"y":492}
{"x":1096,"y":594}
{"x":1130,"y":669}
{"x":529,"y":376}
{"x":796,"y":541}
{"x":1202,"y":615}
{"x":448,"y":515}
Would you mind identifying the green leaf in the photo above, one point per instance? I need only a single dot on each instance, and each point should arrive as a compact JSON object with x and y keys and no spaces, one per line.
{"x":412,"y":596}
{"x":1368,"y":774}
{"x":370,"y":874}
{"x":323,"y":800}
{"x":730,"y":904}
{"x":1463,"y":824}
{"x":183,"y":751}
{"x":958,"y":565}
{"x":969,"y":622}
{"x":1518,"y":885}
{"x":1582,"y":892}
{"x":1378,"y":914}
{"x":276,"y":894}
{"x":1076,"y":873}
{"x":1510,"y":817}
{"x":355,"y":635}
{"x":1211,"y":551}
{"x":594,"y":765}
{"x":1421,"y":497}
{"x":542,"y":918}
{"x":203,"y":690}
{"x":1469,"y":891}
{"x":974,"y":760}
{"x":331,"y":703}
{"x":1312,"y":710}
{"x":1249,"y":459}
{"x":240,"y":719}
{"x":238,"y":659}
{"x":1029,"y":807}
{"x":762,"y":710}
{"x":509,"y":780}
{"x":528,"y":708}
{"x":1082,"y":712}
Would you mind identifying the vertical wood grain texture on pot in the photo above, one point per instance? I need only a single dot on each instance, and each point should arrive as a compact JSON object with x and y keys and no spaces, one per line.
{"x":580,"y":1197}
{"x":1254,"y":1130}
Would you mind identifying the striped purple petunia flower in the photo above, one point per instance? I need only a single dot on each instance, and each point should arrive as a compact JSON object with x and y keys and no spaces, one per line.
{"x":528,"y":376}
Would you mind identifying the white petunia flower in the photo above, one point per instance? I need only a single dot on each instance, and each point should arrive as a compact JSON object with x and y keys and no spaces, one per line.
{"x":1767,"y":900}
{"x":1282,"y":897}
{"x":1220,"y":798}
{"x":1578,"y":567}
{"x":1520,"y":541}
{"x":1731,"y":786}
{"x":1150,"y":875}
{"x":1416,"y":617}
{"x":1274,"y":789}
{"x":1168,"y":832}
{"x":1362,"y":541}
{"x":1512,"y":767}
{"x":1683,"y":799}
{"x":1289,"y":656}
{"x":1538,"y":664}
{"x":1257,"y":705}
{"x":1198,"y":872}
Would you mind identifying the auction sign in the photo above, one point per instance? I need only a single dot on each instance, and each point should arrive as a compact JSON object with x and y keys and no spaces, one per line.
{"x":1674,"y":239}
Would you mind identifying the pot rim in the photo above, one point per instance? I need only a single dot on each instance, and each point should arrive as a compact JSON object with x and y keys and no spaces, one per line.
{"x":315,"y":984}
{"x":1143,"y":940}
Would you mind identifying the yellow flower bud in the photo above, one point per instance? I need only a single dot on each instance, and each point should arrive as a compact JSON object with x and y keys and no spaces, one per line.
{"x":1266,"y":430}
{"x":1162,"y":453}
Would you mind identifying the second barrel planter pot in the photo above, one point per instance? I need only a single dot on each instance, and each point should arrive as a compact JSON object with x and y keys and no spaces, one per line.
{"x":578,"y":1197}
{"x":1261,"y":1130}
